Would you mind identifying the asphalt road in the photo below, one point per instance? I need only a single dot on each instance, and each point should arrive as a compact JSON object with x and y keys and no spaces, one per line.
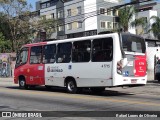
{"x":145,"y":98}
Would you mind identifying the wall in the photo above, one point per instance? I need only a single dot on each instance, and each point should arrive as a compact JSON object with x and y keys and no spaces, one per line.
{"x":7,"y":63}
{"x":74,"y":16}
{"x":89,"y":9}
{"x":151,"y":52}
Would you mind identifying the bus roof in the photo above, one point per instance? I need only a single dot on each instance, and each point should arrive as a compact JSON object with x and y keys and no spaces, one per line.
{"x":73,"y":39}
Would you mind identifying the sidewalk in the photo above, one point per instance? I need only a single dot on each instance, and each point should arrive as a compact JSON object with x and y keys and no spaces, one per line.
{"x":7,"y":81}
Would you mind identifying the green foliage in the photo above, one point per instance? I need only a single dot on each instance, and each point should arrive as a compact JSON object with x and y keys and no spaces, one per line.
{"x":155,"y":27}
{"x":125,"y":16}
{"x":5,"y":45}
{"x":47,"y":25}
{"x":15,"y":26}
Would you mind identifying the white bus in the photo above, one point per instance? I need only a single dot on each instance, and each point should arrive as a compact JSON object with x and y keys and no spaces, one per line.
{"x":94,"y":62}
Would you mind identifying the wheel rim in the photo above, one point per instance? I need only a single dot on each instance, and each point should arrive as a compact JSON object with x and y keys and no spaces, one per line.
{"x":71,"y":86}
{"x":22,"y":83}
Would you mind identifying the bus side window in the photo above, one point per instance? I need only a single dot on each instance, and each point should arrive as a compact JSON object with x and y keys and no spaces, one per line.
{"x":36,"y":55}
{"x":64,"y":52}
{"x":102,"y":50}
{"x":81,"y":51}
{"x":49,"y":52}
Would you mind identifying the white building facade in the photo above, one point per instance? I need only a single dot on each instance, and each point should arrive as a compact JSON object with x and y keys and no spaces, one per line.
{"x":79,"y":18}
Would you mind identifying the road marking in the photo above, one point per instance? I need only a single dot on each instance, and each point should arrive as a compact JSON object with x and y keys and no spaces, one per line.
{"x":77,"y":96}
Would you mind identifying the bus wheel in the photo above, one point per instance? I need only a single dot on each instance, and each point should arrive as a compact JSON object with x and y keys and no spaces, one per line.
{"x":22,"y":84}
{"x":97,"y":89}
{"x":71,"y":86}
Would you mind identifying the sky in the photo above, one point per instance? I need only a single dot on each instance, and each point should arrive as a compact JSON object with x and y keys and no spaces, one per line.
{"x":32,"y":2}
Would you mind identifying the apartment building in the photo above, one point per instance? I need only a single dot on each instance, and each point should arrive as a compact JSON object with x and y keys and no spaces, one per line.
{"x":78,"y":18}
{"x":146,"y":10}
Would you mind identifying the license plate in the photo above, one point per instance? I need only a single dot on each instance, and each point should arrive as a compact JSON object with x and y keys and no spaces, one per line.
{"x":133,"y":81}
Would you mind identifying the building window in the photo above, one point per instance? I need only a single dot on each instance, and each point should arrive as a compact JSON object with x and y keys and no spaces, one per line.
{"x":48,"y":4}
{"x":103,"y":24}
{"x":69,"y":12}
{"x":60,"y":28}
{"x":69,"y":26}
{"x":115,"y":25}
{"x":115,"y":12}
{"x":43,"y":5}
{"x":53,"y":2}
{"x":109,"y":12}
{"x":79,"y":10}
{"x":79,"y":24}
{"x":60,"y":14}
{"x":109,"y":25}
{"x":102,"y":11}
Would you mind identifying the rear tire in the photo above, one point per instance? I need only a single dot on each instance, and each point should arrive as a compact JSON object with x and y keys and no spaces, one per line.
{"x":71,"y":86}
{"x":22,"y":83}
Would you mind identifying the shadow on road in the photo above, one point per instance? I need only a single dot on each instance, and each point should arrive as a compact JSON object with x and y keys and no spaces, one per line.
{"x":82,"y":92}
{"x":153,"y":83}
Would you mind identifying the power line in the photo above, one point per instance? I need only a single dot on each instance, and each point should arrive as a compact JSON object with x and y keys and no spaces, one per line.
{"x":80,"y":15}
{"x":112,"y":8}
{"x":96,"y":13}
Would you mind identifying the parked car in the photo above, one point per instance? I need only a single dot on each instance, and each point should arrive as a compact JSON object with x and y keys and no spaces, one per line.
{"x":157,"y":70}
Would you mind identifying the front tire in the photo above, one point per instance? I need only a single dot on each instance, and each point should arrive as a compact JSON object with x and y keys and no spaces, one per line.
{"x":22,"y":84}
{"x":71,"y":86}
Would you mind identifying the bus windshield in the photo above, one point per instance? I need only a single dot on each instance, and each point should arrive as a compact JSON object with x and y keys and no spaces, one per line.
{"x":132,"y":43}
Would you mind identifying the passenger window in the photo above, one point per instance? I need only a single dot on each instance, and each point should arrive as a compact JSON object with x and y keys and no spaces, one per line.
{"x":81,"y":51}
{"x":64,"y":53}
{"x":102,"y":50}
{"x":36,"y":55}
{"x":49,"y":52}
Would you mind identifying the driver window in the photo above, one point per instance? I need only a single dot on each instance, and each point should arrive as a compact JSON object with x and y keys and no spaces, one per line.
{"x":23,"y":56}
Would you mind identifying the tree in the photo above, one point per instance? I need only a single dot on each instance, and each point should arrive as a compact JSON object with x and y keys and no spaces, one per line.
{"x":18,"y":22}
{"x":4,"y":26}
{"x":155,"y":27}
{"x":141,"y":22}
{"x":4,"y":44}
{"x":45,"y":25}
{"x":125,"y":16}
